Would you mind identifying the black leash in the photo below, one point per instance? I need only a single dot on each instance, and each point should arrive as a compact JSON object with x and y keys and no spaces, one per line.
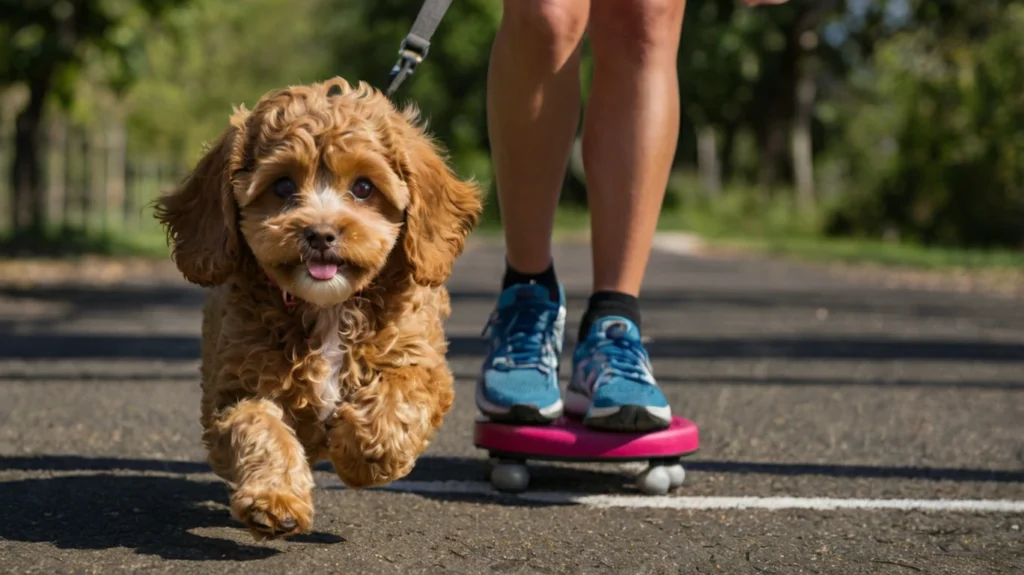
{"x":416,"y":44}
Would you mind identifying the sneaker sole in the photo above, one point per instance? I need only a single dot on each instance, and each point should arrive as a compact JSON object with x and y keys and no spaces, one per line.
{"x":632,"y":418}
{"x":520,"y":413}
{"x":524,"y":414}
{"x":619,"y":418}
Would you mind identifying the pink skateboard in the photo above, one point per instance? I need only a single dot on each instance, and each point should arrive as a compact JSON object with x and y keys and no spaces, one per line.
{"x":566,"y":439}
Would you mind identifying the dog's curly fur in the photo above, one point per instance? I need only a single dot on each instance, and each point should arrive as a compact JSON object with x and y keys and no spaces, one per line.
{"x":354,"y":371}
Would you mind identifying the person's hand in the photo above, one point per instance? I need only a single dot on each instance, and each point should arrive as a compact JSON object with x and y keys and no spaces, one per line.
{"x":759,"y":2}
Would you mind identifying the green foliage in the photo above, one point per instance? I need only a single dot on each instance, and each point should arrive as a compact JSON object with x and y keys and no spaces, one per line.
{"x":50,"y":41}
{"x":740,"y":211}
{"x":938,"y":138}
{"x":918,"y":126}
{"x":868,"y":251}
{"x":221,"y":54}
{"x":215,"y":56}
{"x":71,"y":242}
{"x":731,"y":49}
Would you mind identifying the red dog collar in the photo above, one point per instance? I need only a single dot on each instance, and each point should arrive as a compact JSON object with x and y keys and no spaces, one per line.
{"x":289,"y":300}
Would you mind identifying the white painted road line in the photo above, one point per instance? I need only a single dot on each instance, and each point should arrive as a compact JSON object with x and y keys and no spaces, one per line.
{"x":813,"y":503}
{"x":701,"y":503}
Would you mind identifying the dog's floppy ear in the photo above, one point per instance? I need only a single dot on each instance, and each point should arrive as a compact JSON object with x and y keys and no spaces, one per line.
{"x":201,"y":217}
{"x":443,"y":210}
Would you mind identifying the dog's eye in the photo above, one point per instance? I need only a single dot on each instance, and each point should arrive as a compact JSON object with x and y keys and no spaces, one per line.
{"x":285,"y":188}
{"x":362,"y":188}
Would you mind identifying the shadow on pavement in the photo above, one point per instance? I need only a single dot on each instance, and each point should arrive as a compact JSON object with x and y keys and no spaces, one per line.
{"x":909,"y":304}
{"x":150,"y":515}
{"x":664,"y":378}
{"x":904,"y":303}
{"x":127,"y":299}
{"x":441,"y":468}
{"x":89,"y":346}
{"x":154,"y":514}
{"x":814,"y":347}
{"x":112,"y":297}
{"x":859,"y":471}
{"x":1002,"y":385}
{"x":155,"y":376}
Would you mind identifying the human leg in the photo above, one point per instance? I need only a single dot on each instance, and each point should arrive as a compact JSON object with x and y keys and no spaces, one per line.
{"x":533,"y":104}
{"x":629,"y":139}
{"x":630,"y":133}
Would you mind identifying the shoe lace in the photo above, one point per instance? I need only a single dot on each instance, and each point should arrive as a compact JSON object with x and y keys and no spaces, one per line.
{"x":526,"y":331}
{"x":624,"y":358}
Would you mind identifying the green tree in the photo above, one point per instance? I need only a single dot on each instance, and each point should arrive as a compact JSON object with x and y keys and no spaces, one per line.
{"x":47,"y":43}
{"x":938,"y":137}
{"x":217,"y":54}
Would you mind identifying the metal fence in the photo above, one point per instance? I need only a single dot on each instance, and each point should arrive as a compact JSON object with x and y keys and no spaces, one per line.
{"x":92,"y":178}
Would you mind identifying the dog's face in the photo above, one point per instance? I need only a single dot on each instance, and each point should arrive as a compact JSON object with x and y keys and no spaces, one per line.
{"x":323,"y":185}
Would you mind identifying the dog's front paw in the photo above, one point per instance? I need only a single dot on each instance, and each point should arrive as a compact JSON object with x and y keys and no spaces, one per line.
{"x":273,"y":513}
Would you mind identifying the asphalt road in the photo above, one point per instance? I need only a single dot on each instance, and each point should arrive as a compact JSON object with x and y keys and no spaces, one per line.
{"x":803,"y":385}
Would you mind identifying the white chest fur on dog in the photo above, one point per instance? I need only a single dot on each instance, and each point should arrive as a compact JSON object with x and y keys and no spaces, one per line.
{"x":328,"y":331}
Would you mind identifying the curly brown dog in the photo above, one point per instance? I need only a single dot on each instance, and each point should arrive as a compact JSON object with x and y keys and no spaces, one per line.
{"x":326,"y":222}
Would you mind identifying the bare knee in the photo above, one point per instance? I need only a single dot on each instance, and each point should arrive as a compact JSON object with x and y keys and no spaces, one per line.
{"x":544,"y":34}
{"x":636,"y":33}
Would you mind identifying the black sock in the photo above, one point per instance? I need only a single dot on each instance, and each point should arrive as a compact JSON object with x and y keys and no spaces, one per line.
{"x":545,"y":278}
{"x":606,"y":303}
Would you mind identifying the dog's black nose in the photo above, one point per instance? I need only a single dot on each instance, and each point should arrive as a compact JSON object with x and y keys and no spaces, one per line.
{"x":320,"y":237}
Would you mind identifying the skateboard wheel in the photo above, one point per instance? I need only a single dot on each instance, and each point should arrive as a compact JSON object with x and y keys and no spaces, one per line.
{"x":510,"y":476}
{"x":676,"y":475}
{"x":654,"y":480}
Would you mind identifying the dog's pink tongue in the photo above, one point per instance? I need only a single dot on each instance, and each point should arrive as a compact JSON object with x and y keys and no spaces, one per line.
{"x":322,"y":271}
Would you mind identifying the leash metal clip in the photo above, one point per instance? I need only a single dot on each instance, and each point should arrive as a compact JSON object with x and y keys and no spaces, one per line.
{"x":416,"y":44}
{"x":411,"y":53}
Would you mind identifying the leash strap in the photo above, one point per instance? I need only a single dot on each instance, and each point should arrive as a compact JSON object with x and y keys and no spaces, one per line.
{"x":416,"y":44}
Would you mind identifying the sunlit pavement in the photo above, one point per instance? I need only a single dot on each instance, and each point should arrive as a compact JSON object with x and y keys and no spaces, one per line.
{"x":904,"y":409}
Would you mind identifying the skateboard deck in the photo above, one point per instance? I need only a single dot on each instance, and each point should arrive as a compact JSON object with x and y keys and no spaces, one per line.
{"x":568,"y":440}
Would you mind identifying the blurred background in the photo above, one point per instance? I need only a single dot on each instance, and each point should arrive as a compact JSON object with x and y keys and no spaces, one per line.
{"x":889,"y":130}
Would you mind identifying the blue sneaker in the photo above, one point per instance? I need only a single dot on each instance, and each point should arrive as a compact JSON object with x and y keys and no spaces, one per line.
{"x":519,"y":382}
{"x":612,"y":386}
